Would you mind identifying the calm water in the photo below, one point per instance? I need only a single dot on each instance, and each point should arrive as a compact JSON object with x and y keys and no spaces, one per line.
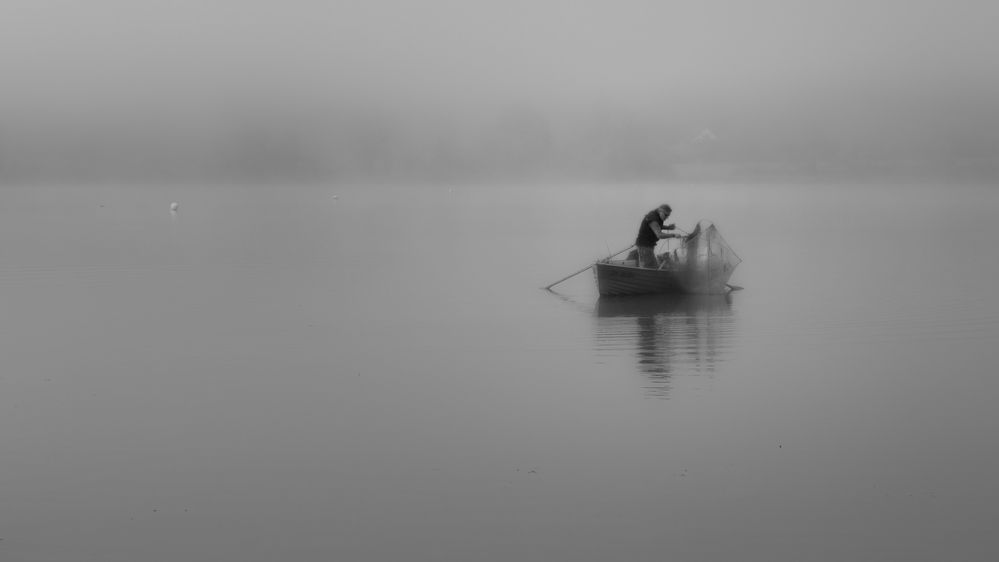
{"x":275,"y":374}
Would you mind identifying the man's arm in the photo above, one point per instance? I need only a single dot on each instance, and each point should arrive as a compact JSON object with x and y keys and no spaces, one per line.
{"x":660,"y":233}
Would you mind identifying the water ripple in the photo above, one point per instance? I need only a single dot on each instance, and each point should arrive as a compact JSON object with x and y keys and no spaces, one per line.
{"x":940,"y":318}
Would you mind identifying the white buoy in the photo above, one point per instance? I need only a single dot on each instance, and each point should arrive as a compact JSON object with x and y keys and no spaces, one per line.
{"x":336,"y":197}
{"x":174,"y":206}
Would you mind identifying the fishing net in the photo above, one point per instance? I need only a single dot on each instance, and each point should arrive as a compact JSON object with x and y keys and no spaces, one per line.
{"x":704,"y":260}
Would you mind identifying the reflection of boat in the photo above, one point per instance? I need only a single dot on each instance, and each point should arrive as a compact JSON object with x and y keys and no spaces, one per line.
{"x":701,"y":265}
{"x":668,"y":334}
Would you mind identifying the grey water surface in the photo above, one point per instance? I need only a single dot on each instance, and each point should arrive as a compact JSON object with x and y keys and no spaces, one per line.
{"x":278,"y":374}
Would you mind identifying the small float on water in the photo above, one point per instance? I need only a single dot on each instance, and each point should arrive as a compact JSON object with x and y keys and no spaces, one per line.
{"x":701,"y":265}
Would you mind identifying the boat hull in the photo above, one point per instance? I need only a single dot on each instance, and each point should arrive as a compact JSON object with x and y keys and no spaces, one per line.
{"x":618,"y":279}
{"x":625,"y":279}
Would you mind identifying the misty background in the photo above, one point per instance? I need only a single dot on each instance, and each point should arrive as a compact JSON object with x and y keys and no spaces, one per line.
{"x":448,"y":90}
{"x":334,"y":346}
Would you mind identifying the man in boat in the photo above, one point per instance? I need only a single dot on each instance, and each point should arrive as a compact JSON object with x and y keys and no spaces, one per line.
{"x":652,"y":230}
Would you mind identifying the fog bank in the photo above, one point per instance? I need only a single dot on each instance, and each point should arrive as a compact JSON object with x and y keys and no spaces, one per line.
{"x":310,"y":91}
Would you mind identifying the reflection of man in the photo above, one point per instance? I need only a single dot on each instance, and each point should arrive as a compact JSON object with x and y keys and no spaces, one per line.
{"x":651,"y":231}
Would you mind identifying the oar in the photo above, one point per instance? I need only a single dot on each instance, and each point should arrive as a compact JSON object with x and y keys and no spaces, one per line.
{"x":567,"y":277}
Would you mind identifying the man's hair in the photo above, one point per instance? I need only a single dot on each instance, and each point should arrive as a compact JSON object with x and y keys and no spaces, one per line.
{"x":666,"y":208}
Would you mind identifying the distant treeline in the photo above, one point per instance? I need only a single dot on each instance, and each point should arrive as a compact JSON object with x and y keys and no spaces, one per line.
{"x":516,"y":143}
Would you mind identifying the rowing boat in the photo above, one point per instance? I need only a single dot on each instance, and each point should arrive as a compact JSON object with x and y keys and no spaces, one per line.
{"x":702,"y":264}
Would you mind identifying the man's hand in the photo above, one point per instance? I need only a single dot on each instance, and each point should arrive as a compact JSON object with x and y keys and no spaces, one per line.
{"x":669,"y":227}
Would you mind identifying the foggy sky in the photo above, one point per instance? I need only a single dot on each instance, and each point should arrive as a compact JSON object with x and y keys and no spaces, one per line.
{"x":162,"y":65}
